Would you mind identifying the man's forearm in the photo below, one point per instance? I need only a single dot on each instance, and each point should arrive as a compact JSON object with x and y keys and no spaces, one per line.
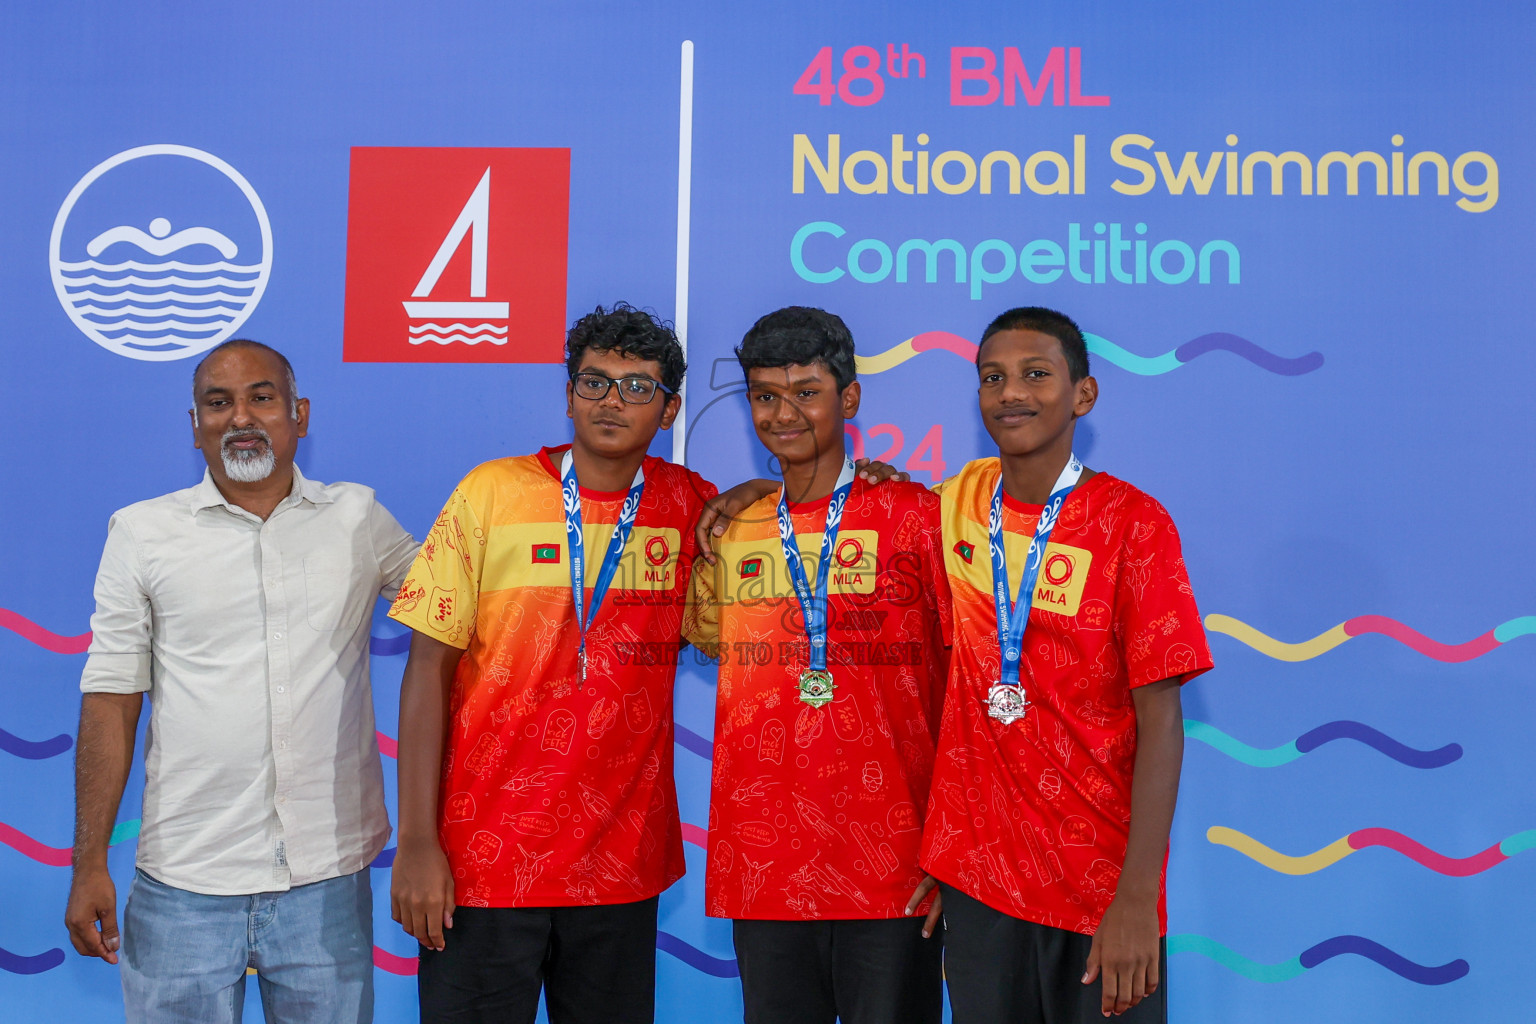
{"x":103,"y":759}
{"x":1154,"y":787}
{"x":424,"y":693}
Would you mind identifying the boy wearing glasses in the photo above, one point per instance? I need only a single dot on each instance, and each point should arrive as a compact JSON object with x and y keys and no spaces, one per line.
{"x":538,"y":818}
{"x":827,"y":605}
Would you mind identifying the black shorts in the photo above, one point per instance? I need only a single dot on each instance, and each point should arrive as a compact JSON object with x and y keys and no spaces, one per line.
{"x":859,"y":972}
{"x":596,"y":965}
{"x":1001,"y":968}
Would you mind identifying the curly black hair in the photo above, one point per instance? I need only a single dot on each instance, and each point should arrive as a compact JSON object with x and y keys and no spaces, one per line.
{"x":633,"y":332}
{"x":800,"y":336}
{"x":1046,"y":321}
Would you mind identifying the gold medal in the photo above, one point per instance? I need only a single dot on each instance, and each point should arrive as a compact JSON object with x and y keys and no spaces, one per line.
{"x":816,"y":687}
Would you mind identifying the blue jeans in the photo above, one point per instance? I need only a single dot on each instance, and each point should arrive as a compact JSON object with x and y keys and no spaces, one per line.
{"x":185,"y":954}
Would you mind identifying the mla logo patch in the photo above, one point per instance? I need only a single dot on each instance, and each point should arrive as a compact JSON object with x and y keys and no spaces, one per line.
{"x":657,"y":550}
{"x":1059,"y":587}
{"x":160,"y":252}
{"x":446,"y":248}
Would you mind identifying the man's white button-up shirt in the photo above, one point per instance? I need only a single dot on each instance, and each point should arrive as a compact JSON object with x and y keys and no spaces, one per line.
{"x":251,"y":638}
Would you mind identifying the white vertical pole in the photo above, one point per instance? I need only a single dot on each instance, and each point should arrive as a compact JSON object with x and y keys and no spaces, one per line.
{"x":684,"y":200}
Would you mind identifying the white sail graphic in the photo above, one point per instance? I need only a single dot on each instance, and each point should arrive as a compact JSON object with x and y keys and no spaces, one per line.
{"x":474,"y":220}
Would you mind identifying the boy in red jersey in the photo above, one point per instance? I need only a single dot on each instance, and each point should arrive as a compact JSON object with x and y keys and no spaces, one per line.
{"x":538,"y":819}
{"x":1058,"y":763}
{"x":828,"y":608}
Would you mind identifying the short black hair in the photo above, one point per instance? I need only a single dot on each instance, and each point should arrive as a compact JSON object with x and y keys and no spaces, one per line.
{"x":293,"y":387}
{"x":1047,"y":321}
{"x":629,"y":331}
{"x":800,"y":336}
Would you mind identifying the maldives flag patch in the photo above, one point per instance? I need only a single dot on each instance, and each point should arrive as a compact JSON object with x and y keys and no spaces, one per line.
{"x":965,"y":551}
{"x":546,"y":554}
{"x":750,"y":568}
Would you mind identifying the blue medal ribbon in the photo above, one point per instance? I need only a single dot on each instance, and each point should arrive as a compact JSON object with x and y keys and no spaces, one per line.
{"x":570,"y":492}
{"x":1012,"y":619}
{"x":813,"y":607}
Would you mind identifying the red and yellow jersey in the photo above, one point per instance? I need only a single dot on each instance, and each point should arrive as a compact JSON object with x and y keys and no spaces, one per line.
{"x":557,"y":793}
{"x":1032,"y":818}
{"x":816,"y":812}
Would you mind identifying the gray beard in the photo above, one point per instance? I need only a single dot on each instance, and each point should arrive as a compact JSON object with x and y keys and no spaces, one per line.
{"x":247,"y":467}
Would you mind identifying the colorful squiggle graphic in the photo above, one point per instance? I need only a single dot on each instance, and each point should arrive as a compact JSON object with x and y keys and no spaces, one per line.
{"x":385,"y":646}
{"x":1326,"y":641}
{"x":1306,"y":864}
{"x":692,"y":741}
{"x":46,"y":639}
{"x":695,"y":957}
{"x":56,"y":856}
{"x":1258,"y":757}
{"x":665,"y":941}
{"x":37,"y":750}
{"x":17,"y":964}
{"x":1315,"y":955}
{"x":944,"y":341}
{"x":384,"y":960}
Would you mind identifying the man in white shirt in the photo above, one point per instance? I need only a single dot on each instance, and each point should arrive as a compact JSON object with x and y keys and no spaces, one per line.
{"x":242,"y":607}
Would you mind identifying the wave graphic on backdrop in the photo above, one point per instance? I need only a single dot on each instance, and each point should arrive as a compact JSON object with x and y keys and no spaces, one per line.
{"x":152,"y":301}
{"x":445,"y":335}
{"x":34,"y":750}
{"x":1309,"y":958}
{"x":46,"y":639}
{"x":1272,"y":757}
{"x":1306,"y":864}
{"x":944,"y":341}
{"x":1326,"y":641}
{"x":58,"y":856}
{"x":17,"y":964}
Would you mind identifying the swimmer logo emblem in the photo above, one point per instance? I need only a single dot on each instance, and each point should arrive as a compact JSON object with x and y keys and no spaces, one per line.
{"x":184,"y":281}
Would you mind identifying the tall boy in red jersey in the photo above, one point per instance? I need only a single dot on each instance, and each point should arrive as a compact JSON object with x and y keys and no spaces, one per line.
{"x":1058,"y":763}
{"x":828,"y":607}
{"x":538,"y":819}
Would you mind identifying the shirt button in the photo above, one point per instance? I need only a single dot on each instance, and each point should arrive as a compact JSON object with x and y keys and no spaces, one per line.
{"x":280,"y":690}
{"x":277,"y":636}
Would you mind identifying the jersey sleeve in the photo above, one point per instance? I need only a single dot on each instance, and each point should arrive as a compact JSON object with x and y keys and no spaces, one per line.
{"x":441,"y":591}
{"x":1157,"y":623}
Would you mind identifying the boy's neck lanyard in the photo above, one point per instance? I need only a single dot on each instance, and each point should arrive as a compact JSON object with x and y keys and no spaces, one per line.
{"x":815,"y":682}
{"x":1006,"y":701}
{"x":570,"y":492}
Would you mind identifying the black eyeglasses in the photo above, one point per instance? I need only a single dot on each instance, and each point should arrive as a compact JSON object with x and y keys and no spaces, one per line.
{"x":632,"y":390}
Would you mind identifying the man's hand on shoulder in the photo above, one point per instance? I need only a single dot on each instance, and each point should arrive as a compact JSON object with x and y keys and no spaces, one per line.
{"x":724,"y":507}
{"x":1126,"y":952}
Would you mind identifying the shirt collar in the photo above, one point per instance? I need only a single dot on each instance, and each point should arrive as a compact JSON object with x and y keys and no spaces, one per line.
{"x":207,"y":494}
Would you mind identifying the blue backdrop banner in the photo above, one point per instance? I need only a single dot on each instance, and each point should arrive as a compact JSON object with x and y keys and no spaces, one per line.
{"x":1295,"y":233}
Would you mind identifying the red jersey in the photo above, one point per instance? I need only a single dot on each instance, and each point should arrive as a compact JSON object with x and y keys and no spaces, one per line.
{"x":557,"y":793}
{"x":1032,"y":818}
{"x":816,"y":812}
